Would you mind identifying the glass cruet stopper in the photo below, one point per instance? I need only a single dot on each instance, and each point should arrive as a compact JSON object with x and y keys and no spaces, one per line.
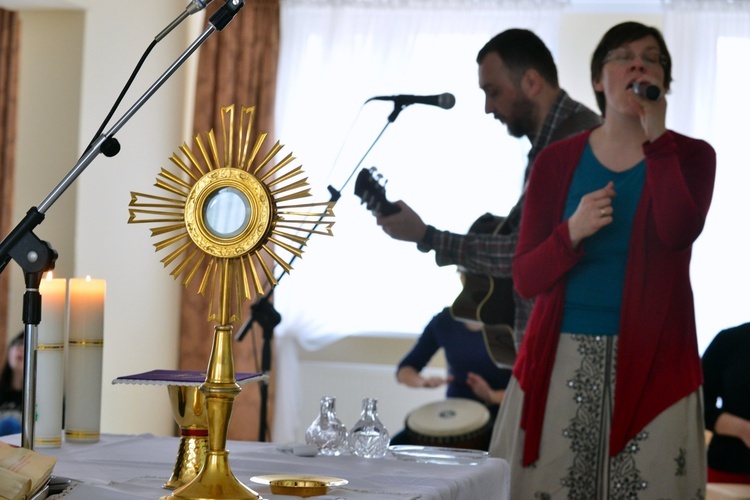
{"x":327,"y":432}
{"x":369,"y":438}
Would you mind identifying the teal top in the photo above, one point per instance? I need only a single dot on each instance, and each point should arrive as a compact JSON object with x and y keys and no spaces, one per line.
{"x":594,"y":286}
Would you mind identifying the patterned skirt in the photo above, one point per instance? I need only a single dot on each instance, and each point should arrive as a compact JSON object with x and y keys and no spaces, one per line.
{"x":666,"y":460}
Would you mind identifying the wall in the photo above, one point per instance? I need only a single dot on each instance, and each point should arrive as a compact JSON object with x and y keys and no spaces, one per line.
{"x":141,"y":320}
{"x":74,"y":63}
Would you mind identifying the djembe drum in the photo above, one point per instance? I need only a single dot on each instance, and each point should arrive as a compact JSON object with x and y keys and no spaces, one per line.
{"x":454,"y":423}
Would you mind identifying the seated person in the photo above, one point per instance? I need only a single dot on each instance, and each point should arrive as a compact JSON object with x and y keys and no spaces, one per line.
{"x":11,"y":388}
{"x":471,"y":372}
{"x":726,"y":391}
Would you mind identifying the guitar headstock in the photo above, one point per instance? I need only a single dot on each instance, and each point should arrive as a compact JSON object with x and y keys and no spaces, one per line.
{"x":370,"y":187}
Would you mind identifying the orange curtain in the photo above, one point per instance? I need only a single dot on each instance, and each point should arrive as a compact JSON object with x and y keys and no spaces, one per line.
{"x":9,"y":40}
{"x":237,"y":65}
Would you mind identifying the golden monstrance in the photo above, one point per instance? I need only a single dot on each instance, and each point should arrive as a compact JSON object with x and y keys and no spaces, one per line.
{"x":228,"y":213}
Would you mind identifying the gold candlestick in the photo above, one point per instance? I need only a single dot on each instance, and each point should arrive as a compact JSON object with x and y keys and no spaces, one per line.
{"x":229,"y":219}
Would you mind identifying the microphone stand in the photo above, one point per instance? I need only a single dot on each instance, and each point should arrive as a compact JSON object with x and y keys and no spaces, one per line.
{"x":36,"y":257}
{"x":268,"y":317}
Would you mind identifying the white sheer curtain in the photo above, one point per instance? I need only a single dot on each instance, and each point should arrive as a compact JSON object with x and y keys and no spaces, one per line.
{"x":451,"y":166}
{"x":710,"y":43}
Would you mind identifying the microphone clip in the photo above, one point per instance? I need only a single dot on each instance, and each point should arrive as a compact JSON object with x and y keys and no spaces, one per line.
{"x":397,"y":108}
{"x":226,"y":13}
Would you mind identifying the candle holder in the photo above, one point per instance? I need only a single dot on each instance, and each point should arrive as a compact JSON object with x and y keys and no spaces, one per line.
{"x":229,"y":215}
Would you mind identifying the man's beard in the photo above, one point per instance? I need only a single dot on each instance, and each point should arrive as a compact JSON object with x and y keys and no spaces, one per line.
{"x":521,"y":121}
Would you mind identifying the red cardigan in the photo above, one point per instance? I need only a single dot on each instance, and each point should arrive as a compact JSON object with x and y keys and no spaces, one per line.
{"x":657,"y":357}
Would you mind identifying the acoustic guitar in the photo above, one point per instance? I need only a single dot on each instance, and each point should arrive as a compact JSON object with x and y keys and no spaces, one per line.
{"x":483,"y":299}
{"x":488,"y":300}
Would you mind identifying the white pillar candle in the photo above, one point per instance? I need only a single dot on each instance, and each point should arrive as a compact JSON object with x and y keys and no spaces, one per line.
{"x":54,"y":310}
{"x":87,"y":309}
{"x":83,"y":393}
{"x":50,"y":363}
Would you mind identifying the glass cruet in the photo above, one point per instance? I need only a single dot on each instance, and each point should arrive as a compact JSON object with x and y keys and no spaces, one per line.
{"x":369,"y":438}
{"x":327,"y":432}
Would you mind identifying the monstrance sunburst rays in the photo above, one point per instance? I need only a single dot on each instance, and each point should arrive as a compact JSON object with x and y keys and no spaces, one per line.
{"x":275,"y":227}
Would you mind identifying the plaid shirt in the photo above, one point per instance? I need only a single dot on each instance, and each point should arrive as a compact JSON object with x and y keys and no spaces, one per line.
{"x":492,"y":254}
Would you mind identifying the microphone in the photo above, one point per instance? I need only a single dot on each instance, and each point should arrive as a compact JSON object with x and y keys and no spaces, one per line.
{"x":197,"y":6}
{"x":193,"y":7}
{"x":445,"y":101}
{"x":647,"y":91}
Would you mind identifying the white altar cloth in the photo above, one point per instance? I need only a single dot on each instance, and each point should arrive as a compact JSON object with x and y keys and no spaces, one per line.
{"x":121,"y":467}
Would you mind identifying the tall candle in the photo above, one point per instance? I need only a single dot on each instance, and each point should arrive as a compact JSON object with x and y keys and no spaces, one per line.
{"x":54,"y":309}
{"x":85,"y":344}
{"x":87,"y":309}
{"x":50,"y":364}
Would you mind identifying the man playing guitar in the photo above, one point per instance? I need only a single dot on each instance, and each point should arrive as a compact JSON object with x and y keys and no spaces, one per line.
{"x":519,"y":78}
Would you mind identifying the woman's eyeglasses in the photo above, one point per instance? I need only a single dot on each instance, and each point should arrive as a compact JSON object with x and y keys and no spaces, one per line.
{"x":627,"y":56}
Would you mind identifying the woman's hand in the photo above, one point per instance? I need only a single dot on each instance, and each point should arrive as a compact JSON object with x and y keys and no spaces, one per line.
{"x":433,"y":381}
{"x":407,"y":375}
{"x":732,"y":425}
{"x":593,"y":213}
{"x":652,"y":113}
{"x":482,"y":389}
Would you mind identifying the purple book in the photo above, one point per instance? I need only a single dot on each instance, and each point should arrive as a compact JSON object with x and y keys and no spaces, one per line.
{"x":181,"y":377}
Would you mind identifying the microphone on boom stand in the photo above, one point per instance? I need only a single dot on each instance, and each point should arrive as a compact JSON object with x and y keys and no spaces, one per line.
{"x":263,"y":311}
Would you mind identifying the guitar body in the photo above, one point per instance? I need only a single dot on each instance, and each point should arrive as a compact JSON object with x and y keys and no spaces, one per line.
{"x":489,"y":301}
{"x":484,"y":299}
{"x":500,"y":344}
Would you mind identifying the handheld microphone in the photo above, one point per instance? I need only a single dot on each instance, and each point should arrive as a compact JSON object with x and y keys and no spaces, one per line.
{"x":445,"y":101}
{"x":647,"y":91}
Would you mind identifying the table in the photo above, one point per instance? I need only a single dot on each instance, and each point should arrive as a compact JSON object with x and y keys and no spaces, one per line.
{"x":121,"y":467}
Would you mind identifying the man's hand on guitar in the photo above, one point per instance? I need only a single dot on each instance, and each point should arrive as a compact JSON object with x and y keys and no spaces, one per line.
{"x":370,"y":187}
{"x":404,"y":225}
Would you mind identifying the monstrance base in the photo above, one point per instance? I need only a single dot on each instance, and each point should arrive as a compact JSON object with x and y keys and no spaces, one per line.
{"x":215,"y":481}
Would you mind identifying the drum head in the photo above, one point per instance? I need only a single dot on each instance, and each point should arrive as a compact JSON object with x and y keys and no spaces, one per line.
{"x":454,"y":416}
